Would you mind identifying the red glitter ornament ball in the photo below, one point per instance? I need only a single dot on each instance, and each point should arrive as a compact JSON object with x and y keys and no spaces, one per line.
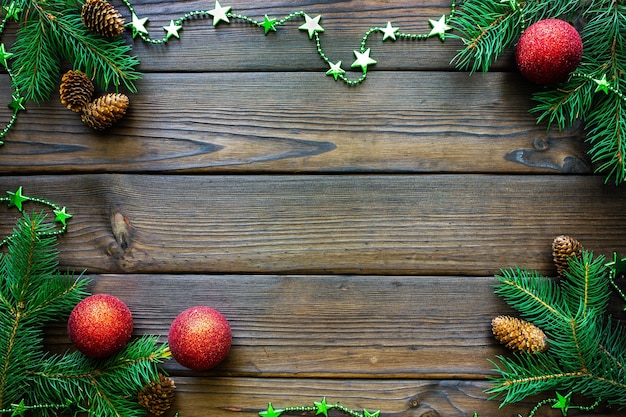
{"x":100,"y":325}
{"x":200,"y":338}
{"x":548,"y":51}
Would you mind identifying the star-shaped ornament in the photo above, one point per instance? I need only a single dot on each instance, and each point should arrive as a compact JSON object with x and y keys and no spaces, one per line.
{"x":4,"y":55}
{"x":219,"y":13}
{"x":322,"y":407}
{"x":17,"y":103}
{"x":335,"y":70}
{"x":17,"y":198}
{"x":312,"y":25}
{"x":139,"y":25}
{"x":440,"y":27}
{"x":268,"y":25}
{"x":603,"y":84}
{"x":271,"y":412}
{"x":363,"y":60}
{"x":172,"y":30}
{"x":62,"y":216}
{"x":19,"y":409}
{"x":563,"y":403}
{"x":389,"y":32}
{"x":369,"y":414}
{"x":12,"y":11}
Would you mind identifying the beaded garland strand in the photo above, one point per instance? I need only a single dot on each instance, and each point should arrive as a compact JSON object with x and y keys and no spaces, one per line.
{"x":224,"y":14}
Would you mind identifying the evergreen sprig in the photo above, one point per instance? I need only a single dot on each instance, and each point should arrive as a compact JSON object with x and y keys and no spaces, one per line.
{"x":33,"y":293}
{"x":50,"y":32}
{"x":593,"y":94}
{"x":587,"y":353}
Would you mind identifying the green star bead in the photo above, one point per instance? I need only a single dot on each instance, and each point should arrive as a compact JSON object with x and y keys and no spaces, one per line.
{"x":271,"y":412}
{"x":17,"y":198}
{"x":563,"y":403}
{"x":312,"y":25}
{"x":322,"y":407}
{"x":440,"y":27}
{"x":269,"y":25}
{"x":603,"y":84}
{"x":139,"y":25}
{"x":4,"y":55}
{"x":363,"y":60}
{"x":172,"y":30}
{"x":16,"y":103}
{"x":12,"y":11}
{"x":19,"y":409}
{"x":62,"y":216}
{"x":389,"y":32}
{"x":335,"y":70}
{"x":368,"y":414}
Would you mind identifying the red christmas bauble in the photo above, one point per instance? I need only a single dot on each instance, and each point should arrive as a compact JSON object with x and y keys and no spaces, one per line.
{"x":200,"y":338}
{"x":100,"y":325}
{"x":548,"y":51}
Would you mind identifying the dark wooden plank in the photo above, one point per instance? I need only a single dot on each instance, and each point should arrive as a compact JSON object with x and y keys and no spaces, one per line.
{"x":285,"y":122}
{"x":373,"y":224}
{"x":227,"y":397}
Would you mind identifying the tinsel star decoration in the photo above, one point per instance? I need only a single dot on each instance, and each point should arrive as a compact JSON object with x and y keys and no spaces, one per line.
{"x":218,"y":15}
{"x":319,"y":407}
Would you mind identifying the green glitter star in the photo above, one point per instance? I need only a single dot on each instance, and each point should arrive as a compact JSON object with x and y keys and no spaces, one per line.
{"x":322,"y":407}
{"x":17,"y":198}
{"x":16,"y":103}
{"x":603,"y":84}
{"x":563,"y":403}
{"x":139,"y":25}
{"x":335,"y":70}
{"x":271,"y":412}
{"x":12,"y":11}
{"x":268,"y":25}
{"x":172,"y":30}
{"x":62,"y":216}
{"x":440,"y":27}
{"x":4,"y":55}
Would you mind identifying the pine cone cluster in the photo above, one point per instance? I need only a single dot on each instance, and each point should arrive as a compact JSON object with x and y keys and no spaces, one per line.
{"x":76,"y":90}
{"x":564,"y":247}
{"x":102,"y":18}
{"x":519,"y":335}
{"x":104,"y":111}
{"x":158,"y":396}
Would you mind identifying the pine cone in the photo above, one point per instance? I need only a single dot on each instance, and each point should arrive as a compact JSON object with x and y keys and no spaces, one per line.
{"x":158,"y":396}
{"x":76,"y":90}
{"x":519,"y":335}
{"x":102,"y":18}
{"x":563,"y":247}
{"x":104,"y":111}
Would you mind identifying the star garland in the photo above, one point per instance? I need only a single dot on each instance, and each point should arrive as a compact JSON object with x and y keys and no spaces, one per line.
{"x":320,"y":407}
{"x":17,"y":199}
{"x":224,"y":14}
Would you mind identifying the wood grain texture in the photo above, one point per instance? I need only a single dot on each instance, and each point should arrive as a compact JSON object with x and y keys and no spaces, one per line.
{"x":354,"y":224}
{"x":286,"y":122}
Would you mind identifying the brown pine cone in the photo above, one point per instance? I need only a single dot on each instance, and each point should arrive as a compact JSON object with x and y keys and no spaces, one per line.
{"x":104,"y":111}
{"x":102,"y":18}
{"x":76,"y":90}
{"x":564,"y":247}
{"x":158,"y":396}
{"x":519,"y":335}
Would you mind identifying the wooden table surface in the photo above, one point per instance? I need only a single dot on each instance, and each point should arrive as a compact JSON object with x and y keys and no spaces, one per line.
{"x":350,"y":234}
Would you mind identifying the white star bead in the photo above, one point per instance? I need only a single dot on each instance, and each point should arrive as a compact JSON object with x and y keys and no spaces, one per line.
{"x":312,"y":25}
{"x":363,"y":60}
{"x":389,"y":32}
{"x":219,"y":13}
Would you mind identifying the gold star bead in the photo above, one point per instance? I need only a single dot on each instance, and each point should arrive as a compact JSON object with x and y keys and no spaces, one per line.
{"x":312,"y":25}
{"x":440,"y":27}
{"x":172,"y":30}
{"x":389,"y":32}
{"x":219,"y":13}
{"x":363,"y":60}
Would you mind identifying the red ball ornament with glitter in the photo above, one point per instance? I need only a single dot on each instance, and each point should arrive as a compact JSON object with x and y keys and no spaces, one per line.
{"x":100,"y":325}
{"x":548,"y":51}
{"x":200,"y":338}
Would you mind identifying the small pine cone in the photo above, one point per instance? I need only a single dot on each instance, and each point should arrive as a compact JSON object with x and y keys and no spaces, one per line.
{"x":564,"y":247}
{"x":519,"y":335}
{"x":158,"y":396}
{"x":76,"y":90}
{"x":104,"y":111}
{"x":102,"y":18}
